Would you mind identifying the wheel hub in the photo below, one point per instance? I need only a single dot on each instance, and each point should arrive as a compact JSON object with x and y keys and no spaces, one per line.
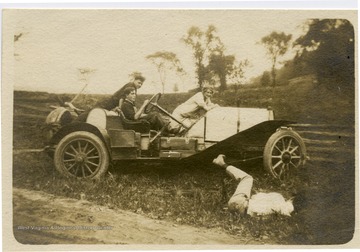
{"x":80,"y":158}
{"x":286,"y":157}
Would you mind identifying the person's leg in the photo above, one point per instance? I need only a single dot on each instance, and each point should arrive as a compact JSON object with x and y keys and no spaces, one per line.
{"x":174,"y":126}
{"x":246,"y":181}
{"x":155,"y":121}
{"x":240,"y":199}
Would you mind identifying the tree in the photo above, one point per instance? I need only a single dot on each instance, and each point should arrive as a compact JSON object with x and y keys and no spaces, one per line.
{"x":176,"y":88}
{"x":208,"y":48}
{"x":328,"y":49}
{"x":276,"y":45}
{"x":237,"y":74}
{"x":203,"y":44}
{"x":165,"y":61}
{"x":180,"y":72}
{"x":194,"y":38}
{"x":290,"y":70}
{"x":265,"y":79}
{"x":221,"y":65}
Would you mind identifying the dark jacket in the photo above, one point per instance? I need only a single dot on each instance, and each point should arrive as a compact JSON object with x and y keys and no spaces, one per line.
{"x":128,"y":108}
{"x":113,"y":101}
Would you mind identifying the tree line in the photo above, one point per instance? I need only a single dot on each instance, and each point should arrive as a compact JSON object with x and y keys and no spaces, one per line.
{"x":326,"y":50}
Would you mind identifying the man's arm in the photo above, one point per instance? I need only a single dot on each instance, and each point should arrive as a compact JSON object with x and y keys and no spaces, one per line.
{"x":120,"y":93}
{"x":141,"y":110}
{"x":199,"y":100}
{"x":118,"y":108}
{"x":128,"y":111}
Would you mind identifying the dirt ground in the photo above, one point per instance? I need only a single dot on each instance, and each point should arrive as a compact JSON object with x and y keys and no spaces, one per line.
{"x":41,"y":218}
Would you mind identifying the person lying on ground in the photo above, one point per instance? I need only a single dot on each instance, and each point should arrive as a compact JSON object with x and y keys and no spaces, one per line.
{"x":259,"y":204}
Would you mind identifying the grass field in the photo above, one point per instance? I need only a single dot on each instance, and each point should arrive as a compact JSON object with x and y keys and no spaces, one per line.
{"x":324,"y":190}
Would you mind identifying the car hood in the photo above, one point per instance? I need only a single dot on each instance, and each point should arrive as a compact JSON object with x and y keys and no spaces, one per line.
{"x":256,"y":136}
{"x":223,"y":122}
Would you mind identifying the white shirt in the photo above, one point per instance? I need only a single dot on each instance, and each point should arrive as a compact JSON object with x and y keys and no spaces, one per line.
{"x":260,"y":203}
{"x":192,"y":107}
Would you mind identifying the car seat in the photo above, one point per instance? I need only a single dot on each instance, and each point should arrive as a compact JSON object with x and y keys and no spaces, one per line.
{"x":141,"y":126}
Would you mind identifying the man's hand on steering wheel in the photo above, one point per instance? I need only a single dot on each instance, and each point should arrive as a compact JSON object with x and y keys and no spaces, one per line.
{"x":143,"y":107}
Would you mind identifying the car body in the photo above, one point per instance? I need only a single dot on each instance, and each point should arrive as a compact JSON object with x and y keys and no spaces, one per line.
{"x":85,"y":149}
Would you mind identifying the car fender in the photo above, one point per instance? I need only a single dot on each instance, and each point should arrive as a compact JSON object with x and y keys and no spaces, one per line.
{"x":81,"y":126}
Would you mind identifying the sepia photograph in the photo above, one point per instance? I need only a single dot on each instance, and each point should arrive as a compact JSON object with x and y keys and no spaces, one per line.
{"x":149,"y":128}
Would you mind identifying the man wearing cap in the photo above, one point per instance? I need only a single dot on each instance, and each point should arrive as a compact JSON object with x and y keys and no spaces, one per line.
{"x":130,"y":111}
{"x":115,"y":101}
{"x":259,"y":204}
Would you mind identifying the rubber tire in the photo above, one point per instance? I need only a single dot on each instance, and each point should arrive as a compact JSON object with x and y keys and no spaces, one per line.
{"x":274,"y":138}
{"x":95,"y":141}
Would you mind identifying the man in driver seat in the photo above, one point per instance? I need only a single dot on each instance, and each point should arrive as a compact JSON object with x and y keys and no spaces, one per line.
{"x":130,"y":111}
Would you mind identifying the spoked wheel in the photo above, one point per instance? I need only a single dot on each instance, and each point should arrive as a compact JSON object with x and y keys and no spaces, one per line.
{"x":81,"y":154}
{"x":284,"y":153}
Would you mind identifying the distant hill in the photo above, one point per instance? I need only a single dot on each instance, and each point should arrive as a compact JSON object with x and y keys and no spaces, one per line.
{"x":302,"y":101}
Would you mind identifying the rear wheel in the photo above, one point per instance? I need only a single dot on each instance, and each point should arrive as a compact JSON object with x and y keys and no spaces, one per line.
{"x":284,"y":153}
{"x":81,"y":154}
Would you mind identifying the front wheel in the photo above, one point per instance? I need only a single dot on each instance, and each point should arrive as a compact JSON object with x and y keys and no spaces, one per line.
{"x":284,"y":153}
{"x":81,"y":154}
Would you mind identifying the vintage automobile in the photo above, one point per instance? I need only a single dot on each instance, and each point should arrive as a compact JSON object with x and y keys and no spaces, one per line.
{"x":85,"y":149}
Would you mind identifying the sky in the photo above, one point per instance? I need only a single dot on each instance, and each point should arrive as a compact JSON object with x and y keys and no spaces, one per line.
{"x":54,"y":44}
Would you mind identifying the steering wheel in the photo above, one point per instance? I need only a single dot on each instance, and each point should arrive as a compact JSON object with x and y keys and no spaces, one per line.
{"x":152,"y":102}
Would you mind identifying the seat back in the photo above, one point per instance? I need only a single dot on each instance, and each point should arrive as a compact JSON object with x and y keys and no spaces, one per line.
{"x":97,"y":117}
